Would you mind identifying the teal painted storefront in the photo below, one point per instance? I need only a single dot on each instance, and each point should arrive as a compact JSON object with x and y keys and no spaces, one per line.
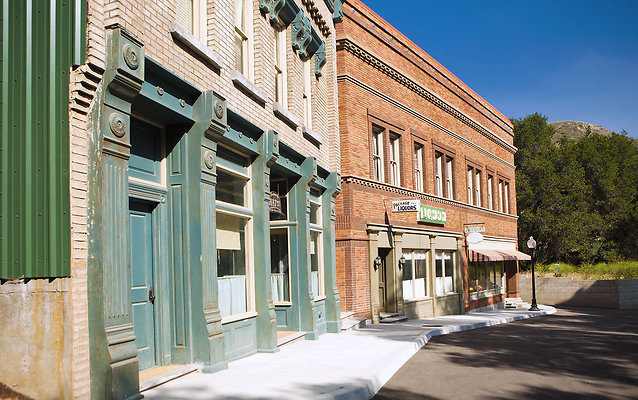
{"x":180,"y":266}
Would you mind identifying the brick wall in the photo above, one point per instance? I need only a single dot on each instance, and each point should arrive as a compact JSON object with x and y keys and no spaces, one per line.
{"x":384,"y":78}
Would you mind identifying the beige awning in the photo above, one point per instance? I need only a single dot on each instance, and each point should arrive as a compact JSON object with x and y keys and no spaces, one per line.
{"x":497,"y":255}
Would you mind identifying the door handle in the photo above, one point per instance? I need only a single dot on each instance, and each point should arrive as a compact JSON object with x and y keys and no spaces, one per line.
{"x":151,"y":295}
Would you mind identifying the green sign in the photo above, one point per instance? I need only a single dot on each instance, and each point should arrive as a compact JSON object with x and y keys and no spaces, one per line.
{"x":432,"y":215}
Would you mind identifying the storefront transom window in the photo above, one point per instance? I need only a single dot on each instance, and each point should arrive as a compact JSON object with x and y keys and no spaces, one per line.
{"x":444,"y":265}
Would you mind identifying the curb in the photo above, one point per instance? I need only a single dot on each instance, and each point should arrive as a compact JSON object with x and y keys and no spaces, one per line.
{"x":368,"y":388}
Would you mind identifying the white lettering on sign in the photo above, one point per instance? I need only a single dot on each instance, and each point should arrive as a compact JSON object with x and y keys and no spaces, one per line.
{"x":405,"y":205}
{"x":434,"y":215}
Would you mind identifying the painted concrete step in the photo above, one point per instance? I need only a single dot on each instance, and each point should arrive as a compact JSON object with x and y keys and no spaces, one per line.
{"x":286,"y":337}
{"x":391,"y":320}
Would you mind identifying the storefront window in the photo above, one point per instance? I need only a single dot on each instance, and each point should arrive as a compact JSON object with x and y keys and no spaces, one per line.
{"x":279,"y":265}
{"x":415,"y":274}
{"x":316,"y":264}
{"x":485,"y":276}
{"x":444,"y":266}
{"x":280,"y":188}
{"x":231,"y":264}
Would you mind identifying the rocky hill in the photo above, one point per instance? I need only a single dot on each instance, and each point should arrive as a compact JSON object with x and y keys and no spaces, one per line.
{"x":575,"y":129}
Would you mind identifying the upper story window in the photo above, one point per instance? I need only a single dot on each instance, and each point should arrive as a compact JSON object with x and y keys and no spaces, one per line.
{"x":191,"y":15}
{"x":444,"y":175}
{"x":503,"y":196}
{"x":395,"y":169}
{"x":474,"y":186}
{"x":377,"y":152}
{"x":243,"y":36}
{"x":490,"y":191}
{"x":281,"y":86}
{"x":418,"y":167}
{"x":307,"y":94}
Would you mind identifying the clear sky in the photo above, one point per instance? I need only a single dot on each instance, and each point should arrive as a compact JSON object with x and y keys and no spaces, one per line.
{"x":567,"y":59}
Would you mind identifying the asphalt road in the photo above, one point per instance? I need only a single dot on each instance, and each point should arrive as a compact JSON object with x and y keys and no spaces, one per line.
{"x":576,"y":353}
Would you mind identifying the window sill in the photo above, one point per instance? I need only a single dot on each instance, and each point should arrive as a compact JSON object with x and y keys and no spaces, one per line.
{"x":238,"y":317}
{"x":282,"y":303}
{"x":428,"y":298}
{"x":182,"y":35}
{"x":285,"y":115}
{"x":485,"y":293}
{"x":248,"y":87}
{"x":311,"y":136}
{"x":319,"y":298}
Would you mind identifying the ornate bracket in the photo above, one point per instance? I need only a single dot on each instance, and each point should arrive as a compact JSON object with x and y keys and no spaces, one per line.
{"x":281,"y":12}
{"x":337,"y":14}
{"x":271,"y":147}
{"x":320,"y":59}
{"x":218,"y":126}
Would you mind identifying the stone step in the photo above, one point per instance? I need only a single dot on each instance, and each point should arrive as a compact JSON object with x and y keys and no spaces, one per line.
{"x":349,"y":321}
{"x":390,"y":320}
{"x":387,"y":315}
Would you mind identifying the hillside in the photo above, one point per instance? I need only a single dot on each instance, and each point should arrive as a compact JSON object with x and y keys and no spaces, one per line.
{"x":575,"y":130}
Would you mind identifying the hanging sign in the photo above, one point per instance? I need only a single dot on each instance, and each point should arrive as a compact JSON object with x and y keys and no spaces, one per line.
{"x":474,"y":238}
{"x":432,"y":215}
{"x":405,"y":205}
{"x":473,"y":229}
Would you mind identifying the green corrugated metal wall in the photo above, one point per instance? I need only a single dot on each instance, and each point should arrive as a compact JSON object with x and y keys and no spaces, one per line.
{"x":40,"y":41}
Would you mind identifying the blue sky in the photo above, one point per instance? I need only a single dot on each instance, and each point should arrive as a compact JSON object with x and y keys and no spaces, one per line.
{"x":567,"y":59}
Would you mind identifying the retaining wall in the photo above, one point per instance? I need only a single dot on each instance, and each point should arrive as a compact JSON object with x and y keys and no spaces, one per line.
{"x":618,"y":293}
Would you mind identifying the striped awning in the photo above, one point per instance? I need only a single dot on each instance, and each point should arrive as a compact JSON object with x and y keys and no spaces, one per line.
{"x":497,"y":255}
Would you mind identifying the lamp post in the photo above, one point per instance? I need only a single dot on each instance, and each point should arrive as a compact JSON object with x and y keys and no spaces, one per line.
{"x":531,"y":243}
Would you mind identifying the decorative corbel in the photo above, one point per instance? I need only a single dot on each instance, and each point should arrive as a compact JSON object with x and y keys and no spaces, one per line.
{"x":337,"y":15}
{"x":300,"y":31}
{"x":320,"y":59}
{"x":271,"y":148}
{"x":311,"y":44}
{"x":219,"y":121}
{"x":281,"y":12}
{"x":309,"y":169}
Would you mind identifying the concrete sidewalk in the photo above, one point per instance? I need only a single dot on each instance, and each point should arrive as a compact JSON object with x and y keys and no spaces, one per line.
{"x":350,"y":365}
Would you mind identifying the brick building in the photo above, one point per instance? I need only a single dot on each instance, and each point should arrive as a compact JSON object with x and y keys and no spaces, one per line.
{"x":426,"y":221}
{"x":174,"y":168}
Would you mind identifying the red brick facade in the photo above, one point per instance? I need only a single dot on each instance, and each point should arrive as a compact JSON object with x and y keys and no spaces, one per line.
{"x":386,"y":81}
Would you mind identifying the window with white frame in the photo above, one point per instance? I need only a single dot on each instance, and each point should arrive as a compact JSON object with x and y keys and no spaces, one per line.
{"x":377,"y":152}
{"x":415,"y":274}
{"x":316,"y":246}
{"x":444,"y":175}
{"x":307,"y":94}
{"x":191,"y":15}
{"x":444,"y":266}
{"x":279,"y":244}
{"x":418,"y":167}
{"x":233,"y":225}
{"x":395,"y":169}
{"x":243,"y":36}
{"x":485,"y":276}
{"x":490,"y":192}
{"x":506,"y":193}
{"x":281,"y":84}
{"x":474,"y":186}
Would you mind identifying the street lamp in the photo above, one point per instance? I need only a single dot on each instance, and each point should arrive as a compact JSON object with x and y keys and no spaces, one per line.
{"x":401,"y":262}
{"x":531,"y":243}
{"x":377,"y":263}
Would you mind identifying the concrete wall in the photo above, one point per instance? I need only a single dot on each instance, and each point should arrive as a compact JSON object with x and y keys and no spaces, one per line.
{"x":33,"y":345}
{"x":621,"y":294}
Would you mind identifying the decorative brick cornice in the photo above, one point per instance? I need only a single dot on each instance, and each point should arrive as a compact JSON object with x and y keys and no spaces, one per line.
{"x":358,"y":51}
{"x":316,"y":16}
{"x":355,"y":180}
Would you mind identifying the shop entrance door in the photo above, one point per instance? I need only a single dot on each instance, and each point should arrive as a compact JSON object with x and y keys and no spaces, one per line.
{"x":383,"y":291}
{"x":142,"y":290}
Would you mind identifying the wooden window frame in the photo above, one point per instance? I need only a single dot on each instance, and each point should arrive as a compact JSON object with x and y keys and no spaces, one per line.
{"x":245,"y":32}
{"x":476,"y":171}
{"x":387,"y":128}
{"x":447,"y":155}
{"x":281,"y":70}
{"x":419,"y":166}
{"x":504,"y":194}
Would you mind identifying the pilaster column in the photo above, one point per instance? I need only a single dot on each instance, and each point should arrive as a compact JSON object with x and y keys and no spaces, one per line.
{"x":433,"y":274}
{"x":333,"y":303}
{"x":210,"y":113}
{"x":113,"y":349}
{"x":397,"y":274}
{"x":268,"y":145}
{"x":459,"y":274}
{"x":373,"y":252}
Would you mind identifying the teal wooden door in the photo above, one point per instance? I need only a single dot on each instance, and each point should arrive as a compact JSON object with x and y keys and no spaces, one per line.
{"x":142,"y":295}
